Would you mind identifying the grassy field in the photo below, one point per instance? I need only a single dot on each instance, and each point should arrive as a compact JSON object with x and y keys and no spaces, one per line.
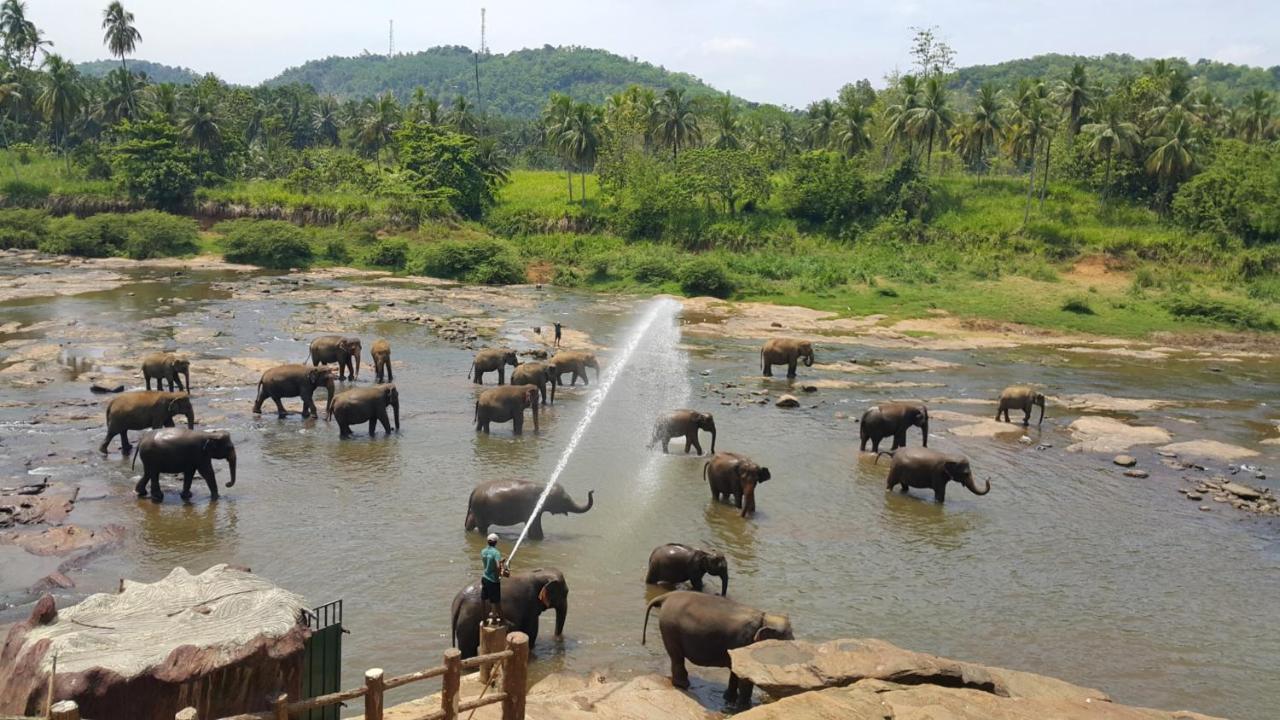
{"x":39,"y":174}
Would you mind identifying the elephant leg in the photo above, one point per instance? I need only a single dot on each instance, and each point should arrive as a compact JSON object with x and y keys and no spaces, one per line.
{"x":187,"y":476}
{"x":206,"y":472}
{"x":791,"y":368}
{"x":477,"y":376}
{"x":696,"y":582}
{"x":1026,"y":416}
{"x":280,"y":411}
{"x":484,"y":424}
{"x":745,"y":689}
{"x":103,"y":447}
{"x":731,"y":691}
{"x":875,"y":444}
{"x":891,"y":482}
{"x":390,"y":376}
{"x":666,"y":445}
{"x":344,"y":430}
{"x":535,"y":530}
{"x":768,"y":369}
{"x":517,"y":423}
{"x":693,"y":439}
{"x":125,"y":445}
{"x":156,"y":493}
{"x":373,"y":426}
{"x":737,"y":500}
{"x":679,"y":675}
{"x":386,"y":422}
{"x":940,"y":492}
{"x":141,"y":488}
{"x":899,"y":439}
{"x":502,"y":375}
{"x":168,"y":422}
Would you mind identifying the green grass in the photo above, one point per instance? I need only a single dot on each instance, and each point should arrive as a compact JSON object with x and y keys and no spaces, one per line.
{"x":546,"y":192}
{"x":49,"y":172}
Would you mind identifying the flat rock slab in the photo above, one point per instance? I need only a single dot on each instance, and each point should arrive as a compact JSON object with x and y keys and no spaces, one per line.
{"x":1099,"y":434}
{"x":1097,"y":402}
{"x":966,"y":425}
{"x":1209,"y":449}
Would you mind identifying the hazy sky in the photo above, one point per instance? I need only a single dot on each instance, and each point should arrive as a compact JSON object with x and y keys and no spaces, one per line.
{"x":783,"y":51}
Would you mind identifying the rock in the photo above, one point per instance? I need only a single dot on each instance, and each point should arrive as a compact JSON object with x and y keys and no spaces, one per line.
{"x":1136,"y":473}
{"x":1025,"y":440}
{"x":1125,"y":460}
{"x":1211,"y":449}
{"x":809,"y":388}
{"x":1095,"y":433}
{"x":841,"y":416}
{"x":787,"y":401}
{"x":775,"y":324}
{"x":706,"y":373}
{"x":102,"y":389}
{"x":759,"y":392}
{"x":1205,"y":508}
{"x":1194,"y":496}
{"x":1244,"y":492}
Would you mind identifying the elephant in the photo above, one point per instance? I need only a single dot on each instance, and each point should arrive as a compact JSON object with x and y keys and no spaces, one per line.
{"x":785,"y":351}
{"x":703,"y":628}
{"x":167,"y":367}
{"x":511,"y":502}
{"x":143,"y":410}
{"x":284,"y":381}
{"x":539,"y":375}
{"x":370,"y":404}
{"x":881,"y":421}
{"x":1022,"y":397}
{"x":576,"y":362}
{"x":731,"y":474}
{"x":506,"y":403}
{"x":178,"y":450}
{"x":525,"y":595}
{"x":490,"y":360}
{"x":675,"y":563}
{"x":345,"y":351}
{"x":380,"y":351}
{"x":925,"y":468}
{"x":686,"y":423}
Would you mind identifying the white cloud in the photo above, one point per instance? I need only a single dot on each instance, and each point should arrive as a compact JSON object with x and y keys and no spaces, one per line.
{"x":727,"y":45}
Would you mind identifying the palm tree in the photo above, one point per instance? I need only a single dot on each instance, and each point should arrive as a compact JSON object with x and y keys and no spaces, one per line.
{"x":580,"y":138}
{"x":202,"y":125}
{"x":379,"y":125}
{"x":724,"y":119}
{"x":895,"y":116}
{"x":677,"y":121}
{"x":462,"y":118}
{"x":326,"y":119}
{"x":555,"y":117}
{"x":1173,"y":153}
{"x":933,"y":118}
{"x":1076,"y":97}
{"x":21,"y":36}
{"x":61,"y":98}
{"x":787,"y":138}
{"x":119,"y":98}
{"x":851,"y":133}
{"x":493,"y":163}
{"x":121,"y":37}
{"x":822,"y":123}
{"x":985,"y":128}
{"x":1029,"y":122}
{"x":417,"y":105}
{"x":162,"y":99}
{"x":1257,"y":111}
{"x":10,"y":90}
{"x":1109,"y":135}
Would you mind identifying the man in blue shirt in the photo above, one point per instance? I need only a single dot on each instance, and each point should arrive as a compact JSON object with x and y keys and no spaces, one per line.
{"x":490,"y":582}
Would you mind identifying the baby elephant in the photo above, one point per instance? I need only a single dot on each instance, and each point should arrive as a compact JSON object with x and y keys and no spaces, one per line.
{"x":674,"y":563}
{"x":167,"y":367}
{"x":369,"y":405}
{"x":178,"y":450}
{"x":684,"y":423}
{"x":731,"y":474}
{"x":925,"y":468}
{"x":1021,"y":397}
{"x":506,"y":403}
{"x":381,"y":353}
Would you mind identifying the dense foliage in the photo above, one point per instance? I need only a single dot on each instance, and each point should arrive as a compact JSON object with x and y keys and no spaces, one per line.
{"x":267,"y":243}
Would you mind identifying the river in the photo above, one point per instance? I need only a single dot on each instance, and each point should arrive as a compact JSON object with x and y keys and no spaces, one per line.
{"x":1067,"y":568}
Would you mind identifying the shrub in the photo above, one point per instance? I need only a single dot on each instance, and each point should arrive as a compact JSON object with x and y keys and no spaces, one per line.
{"x":335,"y":250}
{"x":153,"y":163}
{"x":388,"y":253}
{"x":35,"y":222}
{"x":490,"y":262}
{"x":1077,"y":304}
{"x":17,"y":239}
{"x":652,"y":269}
{"x":1220,"y":311}
{"x":267,"y":243}
{"x":73,"y":236}
{"x":152,"y":234}
{"x":23,"y":193}
{"x":706,"y":276}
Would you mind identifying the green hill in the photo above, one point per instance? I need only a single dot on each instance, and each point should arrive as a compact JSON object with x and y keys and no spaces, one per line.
{"x":156,"y":72}
{"x":514,"y":84}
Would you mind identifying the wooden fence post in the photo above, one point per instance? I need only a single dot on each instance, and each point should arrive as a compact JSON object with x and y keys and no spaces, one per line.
{"x":280,"y":706}
{"x":492,"y":639}
{"x":373,"y":694}
{"x":514,"y":676}
{"x":64,"y":710}
{"x":188,"y":713}
{"x":452,"y":683}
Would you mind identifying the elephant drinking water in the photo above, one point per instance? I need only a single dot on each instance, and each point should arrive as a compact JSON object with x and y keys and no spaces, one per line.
{"x":167,"y":367}
{"x":733,"y":475}
{"x":525,"y":595}
{"x":179,"y":450}
{"x":345,"y":351}
{"x":684,"y":423}
{"x":1020,"y":397}
{"x":143,"y":410}
{"x":785,"y":351}
{"x":370,"y":404}
{"x":675,"y":563}
{"x":893,"y":419}
{"x":511,"y":502}
{"x":925,"y":468}
{"x":284,"y":381}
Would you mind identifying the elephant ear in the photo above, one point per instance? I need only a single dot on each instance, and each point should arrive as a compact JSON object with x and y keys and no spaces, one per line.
{"x":949,"y":470}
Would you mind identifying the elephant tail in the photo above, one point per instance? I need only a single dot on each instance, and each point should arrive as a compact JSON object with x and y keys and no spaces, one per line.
{"x":471,"y":370}
{"x":134,"y":464}
{"x":882,"y":452}
{"x":762,"y":359}
{"x":656,"y":602}
{"x":453,"y":625}
{"x":706,"y":469}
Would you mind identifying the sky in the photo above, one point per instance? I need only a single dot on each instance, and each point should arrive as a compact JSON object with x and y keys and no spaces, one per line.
{"x":782,"y":51}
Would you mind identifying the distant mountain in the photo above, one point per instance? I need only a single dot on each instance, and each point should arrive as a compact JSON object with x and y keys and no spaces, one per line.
{"x":514,"y":84}
{"x":1229,"y":81}
{"x":156,"y":72}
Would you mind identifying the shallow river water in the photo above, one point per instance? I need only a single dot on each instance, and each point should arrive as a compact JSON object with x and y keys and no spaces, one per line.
{"x":1066,"y":568}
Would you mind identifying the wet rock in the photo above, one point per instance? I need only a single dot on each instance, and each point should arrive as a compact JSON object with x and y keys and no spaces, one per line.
{"x":1135,"y":473}
{"x":1025,"y":440}
{"x":1243,"y":492}
{"x":841,"y":416}
{"x":706,"y":373}
{"x":787,"y":401}
{"x":1205,"y":508}
{"x":1210,"y":449}
{"x":1194,"y":496}
{"x":809,"y":388}
{"x":53,"y":580}
{"x":1125,"y":460}
{"x":101,"y":389}
{"x":775,"y":324}
{"x":759,"y":392}
{"x":1095,"y":433}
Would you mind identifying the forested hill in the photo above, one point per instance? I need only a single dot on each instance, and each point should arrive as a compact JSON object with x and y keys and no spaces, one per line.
{"x":514,"y":84}
{"x":1230,"y":82}
{"x":155,"y":72}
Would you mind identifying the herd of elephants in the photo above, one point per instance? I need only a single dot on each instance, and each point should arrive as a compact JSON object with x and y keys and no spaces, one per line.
{"x":695,"y":626}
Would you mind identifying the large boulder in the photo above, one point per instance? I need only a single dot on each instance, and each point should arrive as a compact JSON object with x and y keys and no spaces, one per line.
{"x":221,"y":640}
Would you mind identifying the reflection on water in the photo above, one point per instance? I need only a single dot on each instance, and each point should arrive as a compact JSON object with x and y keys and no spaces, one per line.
{"x":1065,"y":568}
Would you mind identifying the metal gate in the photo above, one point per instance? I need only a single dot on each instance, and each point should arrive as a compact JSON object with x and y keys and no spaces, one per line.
{"x":322,"y":658}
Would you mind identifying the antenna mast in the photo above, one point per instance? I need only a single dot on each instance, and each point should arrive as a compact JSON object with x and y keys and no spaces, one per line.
{"x":484,"y":49}
{"x":479,"y":97}
{"x":391,"y":38}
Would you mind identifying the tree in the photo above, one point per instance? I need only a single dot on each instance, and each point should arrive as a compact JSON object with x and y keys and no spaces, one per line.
{"x":724,"y":122}
{"x":462,"y":118}
{"x":1031,"y":121}
{"x":1109,"y":135}
{"x":1076,"y":97}
{"x":677,"y":121}
{"x":21,"y":36}
{"x":445,"y":165}
{"x":933,"y":57}
{"x":119,"y":97}
{"x":580,"y":138}
{"x":61,"y":97}
{"x":851,"y":129}
{"x":555,"y":119}
{"x":10,"y":90}
{"x":326,"y":120}
{"x":1257,"y":111}
{"x":733,"y":176}
{"x":120,"y":36}
{"x":202,"y":124}
{"x":1172,"y":157}
{"x":152,"y":163}
{"x":933,"y":118}
{"x":983,"y":131}
{"x":379,"y":125}
{"x":820,"y":130}
{"x":896,"y":116}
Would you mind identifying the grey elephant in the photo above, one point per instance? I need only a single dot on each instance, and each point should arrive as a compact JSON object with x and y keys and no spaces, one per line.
{"x":893,"y":420}
{"x":490,"y":360}
{"x":785,"y":351}
{"x":511,"y":502}
{"x":526,"y":594}
{"x":733,"y":475}
{"x":167,"y":367}
{"x":674,"y":563}
{"x":339,"y":350}
{"x":1021,"y":397}
{"x":703,"y":628}
{"x":144,"y":410}
{"x":380,"y":351}
{"x":179,"y":450}
{"x":576,"y":362}
{"x":540,"y":375}
{"x":686,"y":424}
{"x":369,"y":404}
{"x":298,"y":381}
{"x":925,"y":468}
{"x":504,"y":404}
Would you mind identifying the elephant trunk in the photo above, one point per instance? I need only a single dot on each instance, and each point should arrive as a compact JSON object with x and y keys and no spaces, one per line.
{"x":231,"y":465}
{"x":973,"y":486}
{"x":395,"y":408}
{"x":186,"y":374}
{"x":328,"y":403}
{"x":353,"y":377}
{"x":591,"y":500}
{"x":562,"y":612}
{"x":724,"y":584}
{"x":924,"y":430}
{"x":1040,"y":402}
{"x":191,"y":419}
{"x":713,"y":439}
{"x":808,"y":360}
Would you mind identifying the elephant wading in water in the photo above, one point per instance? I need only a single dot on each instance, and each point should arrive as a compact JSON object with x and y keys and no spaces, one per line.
{"x":576,"y":362}
{"x":380,"y":351}
{"x":539,"y":375}
{"x":703,"y":629}
{"x":345,"y":351}
{"x":511,"y":502}
{"x":506,"y":403}
{"x":674,"y":563}
{"x":785,"y":351}
{"x":490,"y":360}
{"x":684,"y":423}
{"x":893,"y":419}
{"x":167,"y":367}
{"x":284,"y":381}
{"x":925,"y":468}
{"x":144,"y":410}
{"x":1020,"y":397}
{"x":736,"y":476}
{"x":525,"y":595}
{"x":178,"y":450}
{"x":370,"y":404}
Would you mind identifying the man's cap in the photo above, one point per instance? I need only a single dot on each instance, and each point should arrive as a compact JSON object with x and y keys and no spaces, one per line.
{"x":493,"y":537}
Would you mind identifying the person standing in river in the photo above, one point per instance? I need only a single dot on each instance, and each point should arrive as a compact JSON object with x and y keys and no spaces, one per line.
{"x":490,"y":580}
{"x":557,"y":335}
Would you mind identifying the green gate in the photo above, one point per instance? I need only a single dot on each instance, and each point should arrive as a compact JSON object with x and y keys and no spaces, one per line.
{"x":322,"y":658}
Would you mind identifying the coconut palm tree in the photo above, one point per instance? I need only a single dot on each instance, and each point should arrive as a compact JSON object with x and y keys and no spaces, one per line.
{"x":119,"y":97}
{"x":432,"y":111}
{"x":895,"y":116}
{"x":462,"y":117}
{"x":677,"y":124}
{"x":121,"y":37}
{"x":984,"y":129}
{"x":382,"y":117}
{"x":1109,"y":135}
{"x":851,"y":133}
{"x":580,"y":138}
{"x":10,"y":91}
{"x":326,"y":119}
{"x":162,"y":99}
{"x":555,"y":117}
{"x":1172,"y":157}
{"x":1076,"y":96}
{"x":820,"y":130}
{"x":202,"y":124}
{"x":724,"y":121}
{"x":22,"y":39}
{"x":493,"y":163}
{"x":61,"y":98}
{"x":933,"y":118}
{"x":1257,"y":112}
{"x":416,"y":112}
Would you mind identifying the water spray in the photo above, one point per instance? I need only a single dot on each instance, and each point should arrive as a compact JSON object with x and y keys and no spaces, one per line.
{"x":661,"y":307}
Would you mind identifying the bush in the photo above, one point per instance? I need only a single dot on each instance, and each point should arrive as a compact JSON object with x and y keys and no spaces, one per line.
{"x":73,"y":236}
{"x":18,"y":239}
{"x":335,"y":250}
{"x":152,"y":234}
{"x":652,"y":270}
{"x":22,"y":193}
{"x":1220,"y":311}
{"x":706,"y":276}
{"x":35,"y":222}
{"x":1078,"y":305}
{"x":490,"y":262}
{"x":153,"y":163}
{"x":267,"y":243}
{"x":389,"y":254}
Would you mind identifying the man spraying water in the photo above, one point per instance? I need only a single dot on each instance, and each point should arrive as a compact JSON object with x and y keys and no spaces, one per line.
{"x":490,"y":580}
